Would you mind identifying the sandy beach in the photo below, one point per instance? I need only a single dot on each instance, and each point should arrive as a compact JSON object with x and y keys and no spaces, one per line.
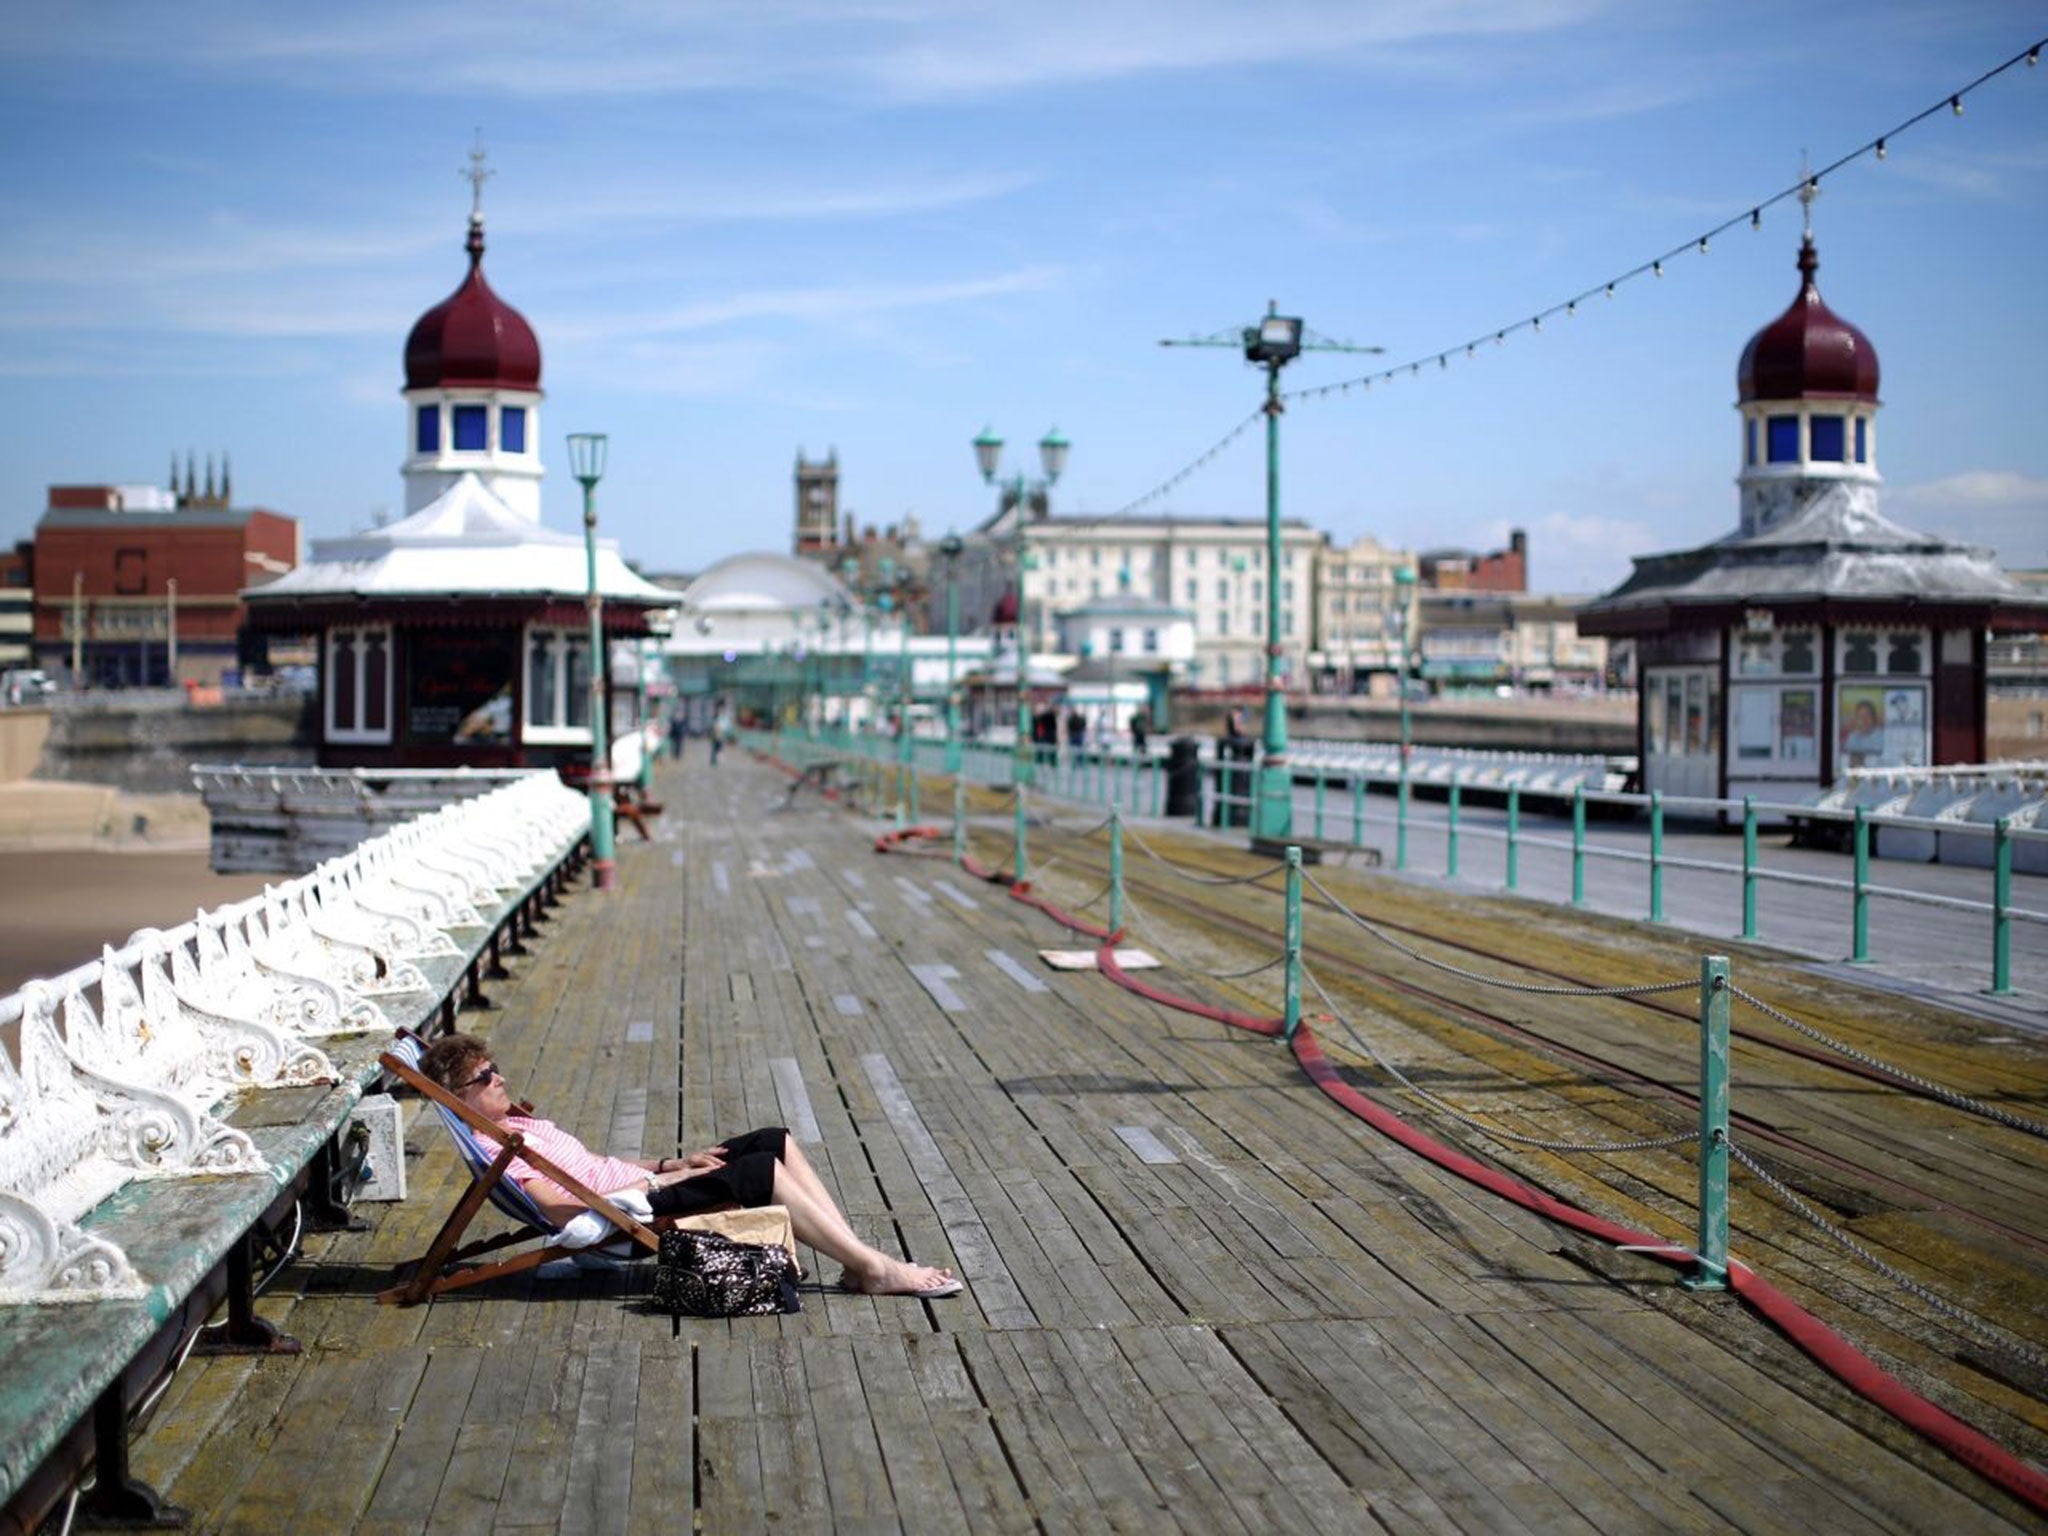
{"x":82,"y":865}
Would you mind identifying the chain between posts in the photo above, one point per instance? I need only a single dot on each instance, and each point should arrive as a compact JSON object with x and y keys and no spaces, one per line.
{"x":1935,"y":1090}
{"x":1437,"y":1102}
{"x":1182,"y":872}
{"x":1138,"y":919}
{"x":2011,"y":1348}
{"x":1645,"y":989}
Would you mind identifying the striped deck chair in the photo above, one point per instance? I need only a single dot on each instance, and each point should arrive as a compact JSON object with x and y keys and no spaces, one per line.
{"x":612,"y":1232}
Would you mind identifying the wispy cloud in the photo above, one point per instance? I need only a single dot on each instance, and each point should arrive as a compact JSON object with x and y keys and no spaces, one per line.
{"x":905,"y":50}
{"x":2002,"y":509}
{"x":823,"y":303}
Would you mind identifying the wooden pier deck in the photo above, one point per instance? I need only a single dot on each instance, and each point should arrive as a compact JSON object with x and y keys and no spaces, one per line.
{"x":1199,"y":1296}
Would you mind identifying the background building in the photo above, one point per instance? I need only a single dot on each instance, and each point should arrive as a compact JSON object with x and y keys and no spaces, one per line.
{"x":1820,"y":637}
{"x":142,"y":586}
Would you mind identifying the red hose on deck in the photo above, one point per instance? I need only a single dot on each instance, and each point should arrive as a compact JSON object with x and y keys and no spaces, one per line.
{"x":1822,"y":1344}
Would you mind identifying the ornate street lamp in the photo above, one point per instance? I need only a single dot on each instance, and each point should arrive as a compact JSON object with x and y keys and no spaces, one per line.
{"x":1052,"y":458}
{"x":586,"y":463}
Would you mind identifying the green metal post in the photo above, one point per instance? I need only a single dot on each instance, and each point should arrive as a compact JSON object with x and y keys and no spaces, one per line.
{"x":1293,"y":1014}
{"x":1451,"y":832}
{"x":1578,"y":845}
{"x":1711,"y":1273}
{"x":1017,"y":859}
{"x":1157,"y":774}
{"x":604,"y":867}
{"x":1116,"y":871}
{"x":1514,"y":831}
{"x":1656,"y":855}
{"x":1273,"y":808}
{"x":952,"y":654}
{"x":1357,"y":809}
{"x":1319,"y":801}
{"x":1859,"y":937}
{"x":1749,"y":874}
{"x":959,"y":820}
{"x":2001,"y":903}
{"x":1401,"y":817}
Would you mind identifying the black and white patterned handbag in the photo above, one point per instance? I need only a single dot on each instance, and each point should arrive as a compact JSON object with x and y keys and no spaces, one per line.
{"x":704,"y":1274}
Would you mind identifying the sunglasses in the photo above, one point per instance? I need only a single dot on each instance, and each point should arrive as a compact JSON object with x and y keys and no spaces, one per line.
{"x":490,"y":1070}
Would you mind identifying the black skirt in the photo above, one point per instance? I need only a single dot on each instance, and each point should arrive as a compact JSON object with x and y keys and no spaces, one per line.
{"x":746,"y":1180}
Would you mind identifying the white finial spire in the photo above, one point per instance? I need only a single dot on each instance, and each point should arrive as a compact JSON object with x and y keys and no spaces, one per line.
{"x":476,"y":175}
{"x":1809,"y":189}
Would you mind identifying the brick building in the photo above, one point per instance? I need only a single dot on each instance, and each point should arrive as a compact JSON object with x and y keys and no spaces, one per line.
{"x":139,"y":586}
{"x":1464,"y":570}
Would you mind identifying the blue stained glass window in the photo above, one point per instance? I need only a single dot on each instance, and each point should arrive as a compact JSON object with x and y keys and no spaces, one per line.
{"x":1827,"y":439}
{"x":512,"y":429}
{"x":427,"y":435}
{"x":1783,"y":443}
{"x":1862,"y":441}
{"x":472,"y":428}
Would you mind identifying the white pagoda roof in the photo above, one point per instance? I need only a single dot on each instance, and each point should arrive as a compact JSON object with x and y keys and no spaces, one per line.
{"x":465,"y":542}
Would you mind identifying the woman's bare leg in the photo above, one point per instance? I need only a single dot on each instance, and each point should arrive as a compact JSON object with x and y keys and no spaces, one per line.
{"x":799,"y":1168}
{"x":818,"y":1223}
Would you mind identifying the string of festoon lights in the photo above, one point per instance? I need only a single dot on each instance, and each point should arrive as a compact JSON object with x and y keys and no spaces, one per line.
{"x":1698,"y":245}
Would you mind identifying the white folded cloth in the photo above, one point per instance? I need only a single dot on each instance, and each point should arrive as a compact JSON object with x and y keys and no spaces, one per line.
{"x":590,"y":1229}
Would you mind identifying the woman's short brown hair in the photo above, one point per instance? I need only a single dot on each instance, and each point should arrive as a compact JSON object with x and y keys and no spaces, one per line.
{"x":452,"y":1061}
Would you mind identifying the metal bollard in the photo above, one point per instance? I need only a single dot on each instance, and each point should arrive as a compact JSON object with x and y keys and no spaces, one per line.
{"x":1451,"y":832}
{"x":2001,"y":902}
{"x":1514,"y":831}
{"x":1320,"y":776}
{"x":1357,"y":810}
{"x":1578,"y":845}
{"x":1656,"y":855}
{"x":1116,"y":872}
{"x":1293,"y":1011}
{"x":1711,"y":1273}
{"x":1401,"y":820}
{"x":1859,"y":923}
{"x":1749,"y":874}
{"x":1017,"y":863}
{"x":959,"y":821}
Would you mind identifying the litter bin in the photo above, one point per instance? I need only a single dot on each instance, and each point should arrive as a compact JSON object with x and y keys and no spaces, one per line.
{"x":1184,"y":777}
{"x":1234,"y":783}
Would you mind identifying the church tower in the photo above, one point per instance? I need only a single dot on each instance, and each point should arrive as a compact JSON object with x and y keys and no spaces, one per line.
{"x":817,"y":503}
{"x":472,"y":387}
{"x":1807,"y":387}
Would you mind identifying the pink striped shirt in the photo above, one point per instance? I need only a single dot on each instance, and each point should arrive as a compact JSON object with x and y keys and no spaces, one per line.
{"x":603,"y":1175}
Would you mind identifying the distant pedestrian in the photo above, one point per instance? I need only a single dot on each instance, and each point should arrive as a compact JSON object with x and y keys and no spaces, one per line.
{"x":1141,"y":729}
{"x":720,"y":727}
{"x":1077,"y":728}
{"x":678,"y":733}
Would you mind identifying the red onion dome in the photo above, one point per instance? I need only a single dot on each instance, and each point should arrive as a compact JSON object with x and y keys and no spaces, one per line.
{"x":1005,"y":612}
{"x":1808,"y":350}
{"x":472,"y":337}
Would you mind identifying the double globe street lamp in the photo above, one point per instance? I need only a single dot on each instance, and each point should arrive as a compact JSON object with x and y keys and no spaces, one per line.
{"x":1022,"y":490}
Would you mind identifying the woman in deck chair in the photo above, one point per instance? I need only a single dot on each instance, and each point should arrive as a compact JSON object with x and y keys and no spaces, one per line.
{"x":764,"y":1167}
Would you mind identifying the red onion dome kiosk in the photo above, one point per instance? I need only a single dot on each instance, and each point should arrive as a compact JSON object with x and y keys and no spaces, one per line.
{"x":1820,"y":637}
{"x":460,"y":634}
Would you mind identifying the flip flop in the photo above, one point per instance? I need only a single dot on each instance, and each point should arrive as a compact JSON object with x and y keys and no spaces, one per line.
{"x":931,"y":1292}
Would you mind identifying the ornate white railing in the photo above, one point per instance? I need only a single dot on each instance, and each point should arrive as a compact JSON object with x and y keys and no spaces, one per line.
{"x":125,"y":1068}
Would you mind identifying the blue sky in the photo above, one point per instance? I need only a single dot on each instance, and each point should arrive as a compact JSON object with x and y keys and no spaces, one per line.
{"x":877,"y":225}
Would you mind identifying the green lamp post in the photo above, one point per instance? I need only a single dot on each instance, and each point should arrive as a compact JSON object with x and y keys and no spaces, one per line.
{"x":1271,"y":344}
{"x":586,"y":463}
{"x":950,"y":546}
{"x":1052,"y":457}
